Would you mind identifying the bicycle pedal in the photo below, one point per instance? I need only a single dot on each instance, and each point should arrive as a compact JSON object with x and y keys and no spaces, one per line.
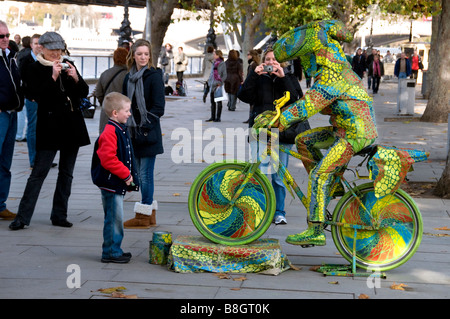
{"x":307,"y":246}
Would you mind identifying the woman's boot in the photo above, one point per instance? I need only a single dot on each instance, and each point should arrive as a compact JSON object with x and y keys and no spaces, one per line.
{"x":213,"y":113}
{"x":219,"y":111}
{"x":143,"y":218}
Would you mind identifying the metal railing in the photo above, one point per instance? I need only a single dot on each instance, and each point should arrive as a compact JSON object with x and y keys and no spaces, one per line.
{"x":92,"y":66}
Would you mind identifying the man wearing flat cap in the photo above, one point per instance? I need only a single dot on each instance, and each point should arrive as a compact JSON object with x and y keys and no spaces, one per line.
{"x":57,"y":87}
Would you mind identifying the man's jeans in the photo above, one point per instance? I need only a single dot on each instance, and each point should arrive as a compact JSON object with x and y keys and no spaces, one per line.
{"x":31,"y":129}
{"x":113,"y":224}
{"x":42,"y":165}
{"x":145,"y":167}
{"x":277,"y":183}
{"x":21,"y":127}
{"x":8,"y":130}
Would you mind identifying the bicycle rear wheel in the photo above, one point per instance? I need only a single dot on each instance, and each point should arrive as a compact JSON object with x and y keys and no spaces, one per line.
{"x":397,"y":237}
{"x":223,"y":221}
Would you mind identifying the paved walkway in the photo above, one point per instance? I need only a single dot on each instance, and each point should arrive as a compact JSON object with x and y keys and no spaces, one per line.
{"x":34,"y":262}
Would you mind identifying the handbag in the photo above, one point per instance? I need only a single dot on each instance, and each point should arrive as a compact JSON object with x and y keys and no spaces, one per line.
{"x":288,"y":136}
{"x":219,"y":95}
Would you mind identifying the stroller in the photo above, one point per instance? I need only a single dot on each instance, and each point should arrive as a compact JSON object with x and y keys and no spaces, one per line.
{"x":179,"y":89}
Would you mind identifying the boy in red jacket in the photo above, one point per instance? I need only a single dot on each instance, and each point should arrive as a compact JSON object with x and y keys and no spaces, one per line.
{"x":113,"y":172}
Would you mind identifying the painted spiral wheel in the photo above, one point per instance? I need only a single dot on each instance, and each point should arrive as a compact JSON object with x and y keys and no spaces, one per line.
{"x":393,"y":243}
{"x":223,"y":221}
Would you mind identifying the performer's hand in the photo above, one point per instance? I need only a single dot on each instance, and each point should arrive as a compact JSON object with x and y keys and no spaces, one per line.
{"x":263,"y":119}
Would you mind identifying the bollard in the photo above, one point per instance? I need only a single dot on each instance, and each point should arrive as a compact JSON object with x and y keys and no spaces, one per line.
{"x":411,"y":89}
{"x":406,"y":96}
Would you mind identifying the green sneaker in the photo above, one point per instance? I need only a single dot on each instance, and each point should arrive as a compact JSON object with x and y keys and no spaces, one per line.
{"x":314,"y":235}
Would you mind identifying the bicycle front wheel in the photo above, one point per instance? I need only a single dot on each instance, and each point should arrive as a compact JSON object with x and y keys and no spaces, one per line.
{"x":397,"y":222}
{"x":226,"y":221}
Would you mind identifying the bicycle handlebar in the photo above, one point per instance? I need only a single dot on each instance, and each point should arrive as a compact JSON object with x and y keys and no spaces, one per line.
{"x":278,"y":105}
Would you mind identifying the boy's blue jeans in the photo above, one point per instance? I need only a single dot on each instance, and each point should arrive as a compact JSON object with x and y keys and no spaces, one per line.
{"x":113,"y":225}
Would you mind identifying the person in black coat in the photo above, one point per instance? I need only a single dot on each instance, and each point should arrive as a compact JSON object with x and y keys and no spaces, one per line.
{"x":260,"y":89}
{"x":359,"y":63}
{"x":144,"y":86}
{"x":24,"y":61}
{"x":11,"y":102}
{"x":57,"y":87}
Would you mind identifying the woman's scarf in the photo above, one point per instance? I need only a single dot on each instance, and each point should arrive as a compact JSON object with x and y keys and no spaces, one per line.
{"x":216,"y":71}
{"x":43,"y":61}
{"x":376,"y":68}
{"x":135,"y":87}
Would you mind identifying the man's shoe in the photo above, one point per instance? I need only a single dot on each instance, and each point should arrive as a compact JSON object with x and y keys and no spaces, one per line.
{"x":7,"y":215}
{"x":118,"y":260}
{"x":127,"y":255}
{"x":62,"y":223}
{"x":16,"y":225}
{"x":280,"y":220}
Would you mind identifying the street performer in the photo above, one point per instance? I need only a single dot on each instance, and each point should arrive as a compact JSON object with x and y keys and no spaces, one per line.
{"x":337,"y":92}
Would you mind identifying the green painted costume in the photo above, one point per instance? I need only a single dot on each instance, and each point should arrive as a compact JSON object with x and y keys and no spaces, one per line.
{"x":337,"y":92}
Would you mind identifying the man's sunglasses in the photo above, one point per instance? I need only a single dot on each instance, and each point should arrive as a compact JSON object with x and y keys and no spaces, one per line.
{"x":4,"y":35}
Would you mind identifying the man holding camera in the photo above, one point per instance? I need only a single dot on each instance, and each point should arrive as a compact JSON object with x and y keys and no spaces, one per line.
{"x":263,"y":85}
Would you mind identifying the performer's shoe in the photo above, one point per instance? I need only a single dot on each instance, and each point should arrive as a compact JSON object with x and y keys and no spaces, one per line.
{"x":314,"y":235}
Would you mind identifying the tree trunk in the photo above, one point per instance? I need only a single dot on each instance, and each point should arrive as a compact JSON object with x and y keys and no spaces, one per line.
{"x":161,"y":13}
{"x":443,"y":186}
{"x":438,"y":103}
{"x":432,"y":66}
{"x":253,"y":20}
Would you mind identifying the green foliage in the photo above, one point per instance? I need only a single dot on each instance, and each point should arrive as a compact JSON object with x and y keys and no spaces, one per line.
{"x":284,"y":15}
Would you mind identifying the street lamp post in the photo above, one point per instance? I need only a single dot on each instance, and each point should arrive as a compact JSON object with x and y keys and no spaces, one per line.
{"x":125,"y":29}
{"x":211,"y":36}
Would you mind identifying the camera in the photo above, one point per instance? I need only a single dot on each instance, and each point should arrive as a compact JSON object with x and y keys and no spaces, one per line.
{"x":65,"y":66}
{"x":268,"y":68}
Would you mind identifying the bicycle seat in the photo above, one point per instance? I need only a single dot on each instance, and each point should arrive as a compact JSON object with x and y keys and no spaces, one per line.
{"x":368,"y":150}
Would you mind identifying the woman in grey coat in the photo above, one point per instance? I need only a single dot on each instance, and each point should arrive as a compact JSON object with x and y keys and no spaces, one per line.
{"x":216,"y":80}
{"x":111,"y":81}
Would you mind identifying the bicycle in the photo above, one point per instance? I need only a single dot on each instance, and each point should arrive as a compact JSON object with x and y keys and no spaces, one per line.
{"x":233,"y":203}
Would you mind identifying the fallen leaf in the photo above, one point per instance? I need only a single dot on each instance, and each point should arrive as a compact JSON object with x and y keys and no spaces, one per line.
{"x":176,"y":194}
{"x":363,"y":296}
{"x":235,"y":289}
{"x":333,"y":282}
{"x":398,"y":287}
{"x":295,"y":267}
{"x":111,"y":290}
{"x":314,"y":268}
{"x":437,"y":235}
{"x":116,"y":294}
{"x":240,"y":279}
{"x":443,"y":228}
{"x":222,"y":275}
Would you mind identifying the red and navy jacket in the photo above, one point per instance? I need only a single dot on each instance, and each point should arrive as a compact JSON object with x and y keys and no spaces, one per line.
{"x":113,"y":159}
